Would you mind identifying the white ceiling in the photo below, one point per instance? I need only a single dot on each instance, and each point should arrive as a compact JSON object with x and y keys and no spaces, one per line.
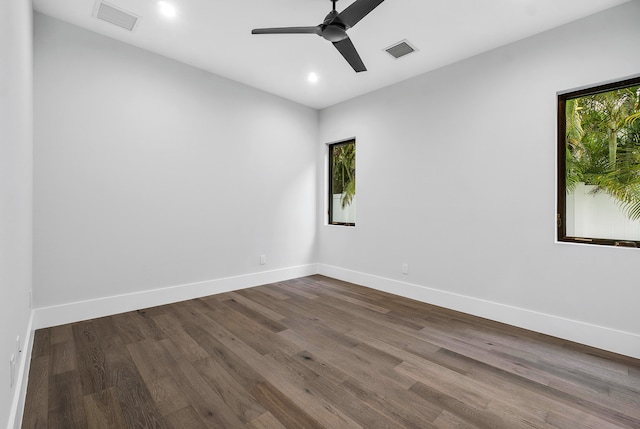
{"x":215,"y":35}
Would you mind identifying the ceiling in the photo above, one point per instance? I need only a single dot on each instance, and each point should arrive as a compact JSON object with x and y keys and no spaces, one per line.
{"x":215,"y":35}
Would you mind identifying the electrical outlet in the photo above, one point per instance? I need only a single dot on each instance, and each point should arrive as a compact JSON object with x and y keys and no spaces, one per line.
{"x":405,"y":268}
{"x":263,"y":259}
{"x":12,"y":364}
{"x":18,"y":346}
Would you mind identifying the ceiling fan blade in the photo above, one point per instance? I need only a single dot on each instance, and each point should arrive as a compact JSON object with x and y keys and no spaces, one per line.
{"x":348,"y":51}
{"x":358,"y":10}
{"x":287,"y":30}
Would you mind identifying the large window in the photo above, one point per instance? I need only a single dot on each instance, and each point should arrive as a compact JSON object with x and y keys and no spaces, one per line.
{"x":599,"y":164}
{"x":342,"y":183}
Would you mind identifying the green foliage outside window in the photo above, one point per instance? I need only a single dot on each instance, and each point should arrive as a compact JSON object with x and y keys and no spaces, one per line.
{"x":344,"y":171}
{"x":603,"y":145}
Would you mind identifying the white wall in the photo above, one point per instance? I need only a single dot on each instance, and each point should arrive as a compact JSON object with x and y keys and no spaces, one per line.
{"x":151,"y":174}
{"x":346,"y":214}
{"x":16,"y":141}
{"x":133,"y":153}
{"x":598,"y":216}
{"x":468,"y":153}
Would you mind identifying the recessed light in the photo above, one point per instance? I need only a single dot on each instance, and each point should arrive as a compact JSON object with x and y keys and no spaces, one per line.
{"x":167,"y":9}
{"x":312,"y":78}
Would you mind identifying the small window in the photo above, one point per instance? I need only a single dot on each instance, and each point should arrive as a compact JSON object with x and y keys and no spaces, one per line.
{"x":342,"y":183}
{"x":599,"y":164}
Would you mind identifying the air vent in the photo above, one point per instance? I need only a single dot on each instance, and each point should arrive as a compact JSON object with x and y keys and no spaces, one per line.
{"x":116,"y":16}
{"x":400,"y":49}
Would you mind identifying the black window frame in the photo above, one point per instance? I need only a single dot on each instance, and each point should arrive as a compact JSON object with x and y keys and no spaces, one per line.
{"x":562,"y":98}
{"x":330,"y":179}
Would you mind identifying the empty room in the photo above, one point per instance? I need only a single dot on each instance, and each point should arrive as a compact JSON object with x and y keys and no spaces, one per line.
{"x":210,"y":217}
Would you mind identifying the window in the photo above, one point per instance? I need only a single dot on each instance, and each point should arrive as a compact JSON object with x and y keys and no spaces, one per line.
{"x":599,"y":164}
{"x":342,"y":183}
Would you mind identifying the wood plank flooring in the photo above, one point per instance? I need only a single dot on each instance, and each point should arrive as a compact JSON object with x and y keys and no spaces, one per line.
{"x":319,"y":353}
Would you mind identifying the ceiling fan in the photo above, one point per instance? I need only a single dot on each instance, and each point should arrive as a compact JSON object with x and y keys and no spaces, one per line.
{"x":334,"y":29}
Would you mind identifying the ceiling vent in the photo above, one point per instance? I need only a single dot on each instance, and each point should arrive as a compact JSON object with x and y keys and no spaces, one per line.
{"x":400,"y":49}
{"x":116,"y":16}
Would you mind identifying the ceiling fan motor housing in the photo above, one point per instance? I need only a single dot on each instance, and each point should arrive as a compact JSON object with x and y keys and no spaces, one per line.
{"x":333,"y":29}
{"x":334,"y":33}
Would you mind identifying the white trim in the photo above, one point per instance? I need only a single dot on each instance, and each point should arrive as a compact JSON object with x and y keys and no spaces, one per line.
{"x":84,"y":310}
{"x":601,"y":83}
{"x":625,"y":343}
{"x":20,"y":393}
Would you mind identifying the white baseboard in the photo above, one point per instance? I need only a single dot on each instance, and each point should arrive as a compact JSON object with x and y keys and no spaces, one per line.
{"x":22,"y":378}
{"x":625,"y":343}
{"x":84,"y":310}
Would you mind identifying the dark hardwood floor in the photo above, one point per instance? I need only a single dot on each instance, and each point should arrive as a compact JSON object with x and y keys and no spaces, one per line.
{"x":320,"y":353}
